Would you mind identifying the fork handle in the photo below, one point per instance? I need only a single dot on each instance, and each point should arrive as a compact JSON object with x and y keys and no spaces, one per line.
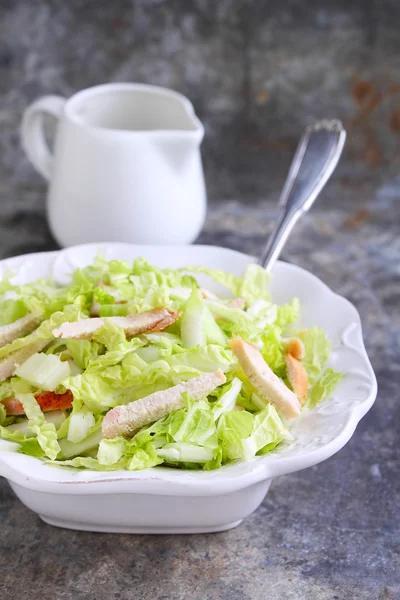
{"x":316,"y":157}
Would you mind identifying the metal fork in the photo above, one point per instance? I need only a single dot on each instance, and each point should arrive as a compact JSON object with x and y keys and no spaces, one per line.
{"x":315,"y":160}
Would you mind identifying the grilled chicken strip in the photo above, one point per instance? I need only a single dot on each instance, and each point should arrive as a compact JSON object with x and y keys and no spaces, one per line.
{"x":297,"y":376}
{"x":157,"y":319}
{"x":20,"y":327}
{"x":264,"y":380}
{"x":295,"y":347}
{"x":127,"y":419}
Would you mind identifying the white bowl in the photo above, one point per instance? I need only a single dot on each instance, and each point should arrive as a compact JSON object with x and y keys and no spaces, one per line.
{"x":161,"y":500}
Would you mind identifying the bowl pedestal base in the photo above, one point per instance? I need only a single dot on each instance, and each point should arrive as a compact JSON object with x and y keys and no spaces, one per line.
{"x":138,"y":530}
{"x":144,"y":513}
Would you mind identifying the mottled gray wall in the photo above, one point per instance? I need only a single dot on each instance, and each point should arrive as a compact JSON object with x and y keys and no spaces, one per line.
{"x":257,"y":71}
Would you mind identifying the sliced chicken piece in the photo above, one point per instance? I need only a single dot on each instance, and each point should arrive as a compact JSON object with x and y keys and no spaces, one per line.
{"x":157,"y":319}
{"x":20,"y":327}
{"x":9,"y":364}
{"x":127,"y":419}
{"x":264,"y":380}
{"x":297,"y":376}
{"x":295,"y":347}
{"x":48,"y":401}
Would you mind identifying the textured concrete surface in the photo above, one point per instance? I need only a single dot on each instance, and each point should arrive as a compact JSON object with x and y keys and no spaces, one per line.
{"x":257,"y":72}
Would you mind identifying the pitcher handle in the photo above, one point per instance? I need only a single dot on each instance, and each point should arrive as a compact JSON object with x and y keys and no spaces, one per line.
{"x":32,"y":135}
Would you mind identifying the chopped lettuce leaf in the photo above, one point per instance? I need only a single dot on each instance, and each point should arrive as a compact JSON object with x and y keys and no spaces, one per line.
{"x":288,"y":313}
{"x":243,"y":435}
{"x":198,"y":326}
{"x":110,"y":370}
{"x":166,"y":277}
{"x":88,"y":462}
{"x":111,"y":451}
{"x":31,"y":447}
{"x":114,"y":310}
{"x":227,"y":399}
{"x":6,"y":389}
{"x":265,"y":312}
{"x":92,"y":390}
{"x":144,"y":458}
{"x":69,"y":449}
{"x":11,"y":310}
{"x":268,"y":432}
{"x":192,"y":326}
{"x":255,"y":284}
{"x":185,"y":452}
{"x":272,"y":350}
{"x":149,"y":353}
{"x":234,"y":427}
{"x":79,"y":424}
{"x":317,"y":350}
{"x":17,"y":435}
{"x":3,"y":415}
{"x":323,"y":388}
{"x":112,"y":336}
{"x":201,"y":359}
{"x":250,"y":325}
{"x":83,"y":351}
{"x":231,"y":282}
{"x":22,"y":427}
{"x":102,"y":295}
{"x":44,"y":371}
{"x":45,"y":431}
{"x":195,"y":425}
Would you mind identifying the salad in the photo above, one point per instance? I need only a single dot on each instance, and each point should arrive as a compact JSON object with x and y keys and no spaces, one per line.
{"x":133,"y":366}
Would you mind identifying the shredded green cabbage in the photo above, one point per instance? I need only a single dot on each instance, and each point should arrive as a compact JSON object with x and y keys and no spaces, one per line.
{"x":108,"y":370}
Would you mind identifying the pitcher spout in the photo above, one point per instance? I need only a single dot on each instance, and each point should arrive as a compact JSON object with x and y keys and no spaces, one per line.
{"x":178,"y":148}
{"x":190,"y":119}
{"x":179,"y":139}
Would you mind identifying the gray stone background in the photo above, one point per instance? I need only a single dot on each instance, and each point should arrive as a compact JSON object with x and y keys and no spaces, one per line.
{"x":257,"y":73}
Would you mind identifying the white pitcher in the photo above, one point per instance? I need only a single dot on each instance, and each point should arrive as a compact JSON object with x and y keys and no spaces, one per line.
{"x":126,"y":165}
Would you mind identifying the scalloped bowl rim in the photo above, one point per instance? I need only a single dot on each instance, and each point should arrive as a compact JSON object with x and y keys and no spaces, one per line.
{"x":34,"y":474}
